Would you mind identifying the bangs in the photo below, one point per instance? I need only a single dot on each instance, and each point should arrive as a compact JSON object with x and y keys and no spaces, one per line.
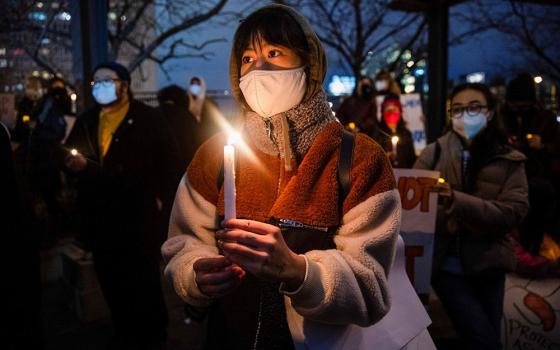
{"x":273,"y":26}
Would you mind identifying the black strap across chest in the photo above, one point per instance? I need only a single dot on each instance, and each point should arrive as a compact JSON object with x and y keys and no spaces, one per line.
{"x":343,"y":172}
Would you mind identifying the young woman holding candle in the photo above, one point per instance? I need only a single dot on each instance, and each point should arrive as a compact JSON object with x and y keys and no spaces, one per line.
{"x":484,"y":197}
{"x":298,"y":256}
{"x":393,"y":135}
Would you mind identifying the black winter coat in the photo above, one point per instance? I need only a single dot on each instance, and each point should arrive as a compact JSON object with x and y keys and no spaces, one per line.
{"x":117,"y":194}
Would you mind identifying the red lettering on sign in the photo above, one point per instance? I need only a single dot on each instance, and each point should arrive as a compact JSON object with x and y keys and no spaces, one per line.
{"x":415,"y":191}
{"x":411,"y":252}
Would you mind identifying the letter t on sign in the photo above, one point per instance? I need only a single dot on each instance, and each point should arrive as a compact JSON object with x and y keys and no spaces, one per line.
{"x":411,"y":252}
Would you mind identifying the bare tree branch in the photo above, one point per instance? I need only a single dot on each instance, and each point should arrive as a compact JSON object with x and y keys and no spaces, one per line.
{"x":148,"y":50}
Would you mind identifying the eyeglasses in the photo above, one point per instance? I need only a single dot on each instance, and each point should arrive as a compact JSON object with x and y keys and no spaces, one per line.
{"x":103,"y":82}
{"x":471,"y":109}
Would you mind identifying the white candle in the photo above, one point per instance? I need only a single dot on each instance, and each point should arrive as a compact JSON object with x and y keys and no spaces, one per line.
{"x":229,"y":180}
{"x":394,"y":141}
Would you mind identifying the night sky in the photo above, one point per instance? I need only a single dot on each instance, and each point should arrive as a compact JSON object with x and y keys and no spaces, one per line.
{"x":484,"y":52}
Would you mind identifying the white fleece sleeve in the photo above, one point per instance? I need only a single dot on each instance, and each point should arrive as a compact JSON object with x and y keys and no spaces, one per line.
{"x":191,"y":236}
{"x":349,"y":284}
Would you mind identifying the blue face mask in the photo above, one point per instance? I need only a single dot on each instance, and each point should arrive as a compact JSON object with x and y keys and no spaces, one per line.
{"x":470,"y":125}
{"x":195,"y":89}
{"x":104,"y":92}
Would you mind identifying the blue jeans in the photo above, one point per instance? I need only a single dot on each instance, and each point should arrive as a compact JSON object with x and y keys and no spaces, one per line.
{"x":474,"y":305}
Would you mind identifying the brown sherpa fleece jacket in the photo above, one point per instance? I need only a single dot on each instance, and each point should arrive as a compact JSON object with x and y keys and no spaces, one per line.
{"x":341,"y":286}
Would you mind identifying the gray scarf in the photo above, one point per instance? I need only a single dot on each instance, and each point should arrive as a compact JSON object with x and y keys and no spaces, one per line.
{"x":302,"y":124}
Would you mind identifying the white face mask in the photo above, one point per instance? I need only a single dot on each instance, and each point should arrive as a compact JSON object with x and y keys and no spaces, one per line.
{"x":381,"y":85}
{"x":104,"y":92}
{"x":269,"y":92}
{"x":469,"y":126}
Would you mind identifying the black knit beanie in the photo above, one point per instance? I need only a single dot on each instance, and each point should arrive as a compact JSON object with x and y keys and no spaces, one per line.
{"x":118,"y":68}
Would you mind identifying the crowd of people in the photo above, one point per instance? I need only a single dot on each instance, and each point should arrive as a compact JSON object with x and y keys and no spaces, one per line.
{"x":317,"y":208}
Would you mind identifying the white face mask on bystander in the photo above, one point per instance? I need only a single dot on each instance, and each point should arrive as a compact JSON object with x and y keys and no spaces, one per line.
{"x":269,"y":92}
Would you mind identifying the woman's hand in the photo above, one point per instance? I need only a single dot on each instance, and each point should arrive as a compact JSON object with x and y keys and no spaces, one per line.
{"x":260,"y":249}
{"x":445,"y":192}
{"x":217,"y":276}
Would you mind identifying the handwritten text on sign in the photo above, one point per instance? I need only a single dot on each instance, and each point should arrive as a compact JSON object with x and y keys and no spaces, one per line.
{"x":418,"y":223}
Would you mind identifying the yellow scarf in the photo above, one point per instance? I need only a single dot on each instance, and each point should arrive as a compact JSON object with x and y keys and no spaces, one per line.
{"x":108,"y":124}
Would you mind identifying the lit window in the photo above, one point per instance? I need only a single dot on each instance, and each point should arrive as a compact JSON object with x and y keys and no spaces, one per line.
{"x":64,"y":16}
{"x":38,"y":16}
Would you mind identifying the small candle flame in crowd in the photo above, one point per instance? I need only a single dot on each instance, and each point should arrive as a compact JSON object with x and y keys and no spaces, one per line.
{"x":74,"y":152}
{"x":394,"y":142}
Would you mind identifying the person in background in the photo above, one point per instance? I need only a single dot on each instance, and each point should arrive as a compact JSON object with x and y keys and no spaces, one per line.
{"x":125,"y":160}
{"x":534,"y":131}
{"x":483,"y":197}
{"x":27,"y":109}
{"x":204,"y":110}
{"x":386,"y":84}
{"x":538,"y":253}
{"x":358,"y":111}
{"x":44,"y":151}
{"x":392,"y":125}
{"x":174,"y":106}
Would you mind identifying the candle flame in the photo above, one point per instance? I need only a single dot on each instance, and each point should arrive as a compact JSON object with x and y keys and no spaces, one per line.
{"x":74,"y":152}
{"x":529,"y":136}
{"x":233,"y":138}
{"x":395,"y":139}
{"x":441,"y":180}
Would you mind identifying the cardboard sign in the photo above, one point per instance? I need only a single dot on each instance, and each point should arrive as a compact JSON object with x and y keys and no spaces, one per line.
{"x":418,"y":224}
{"x":413,"y":117}
{"x":8,"y":110}
{"x":531,"y":318}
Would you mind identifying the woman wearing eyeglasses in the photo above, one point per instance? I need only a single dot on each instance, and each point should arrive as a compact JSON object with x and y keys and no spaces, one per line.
{"x":483,"y":198}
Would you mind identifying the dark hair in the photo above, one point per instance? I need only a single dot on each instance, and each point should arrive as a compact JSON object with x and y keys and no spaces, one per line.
{"x":489,"y":142}
{"x":173,"y":94}
{"x":276,"y":27}
{"x":56,"y":79}
{"x":521,"y":88}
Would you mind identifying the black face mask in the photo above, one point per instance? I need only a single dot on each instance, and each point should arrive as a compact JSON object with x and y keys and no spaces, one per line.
{"x":59,"y":93}
{"x":366,"y":90}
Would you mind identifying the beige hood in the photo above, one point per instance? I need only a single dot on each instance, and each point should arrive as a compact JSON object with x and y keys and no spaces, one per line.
{"x":315,"y":71}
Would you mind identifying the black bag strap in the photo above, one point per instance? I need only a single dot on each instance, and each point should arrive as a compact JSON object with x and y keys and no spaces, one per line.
{"x":437,"y":154}
{"x":345,"y":166}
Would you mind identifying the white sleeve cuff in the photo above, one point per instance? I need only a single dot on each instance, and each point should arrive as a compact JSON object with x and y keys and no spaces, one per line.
{"x":283,"y":289}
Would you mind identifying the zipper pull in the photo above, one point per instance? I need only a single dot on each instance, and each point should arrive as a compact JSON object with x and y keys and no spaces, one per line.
{"x":268,"y":123}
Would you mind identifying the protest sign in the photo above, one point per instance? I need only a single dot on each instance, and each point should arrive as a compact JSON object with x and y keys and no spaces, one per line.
{"x":531,"y":319}
{"x":419,"y":209}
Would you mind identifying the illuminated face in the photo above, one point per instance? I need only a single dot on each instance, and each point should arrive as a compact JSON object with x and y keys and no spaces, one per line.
{"x":268,"y":57}
{"x":469,"y":101}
